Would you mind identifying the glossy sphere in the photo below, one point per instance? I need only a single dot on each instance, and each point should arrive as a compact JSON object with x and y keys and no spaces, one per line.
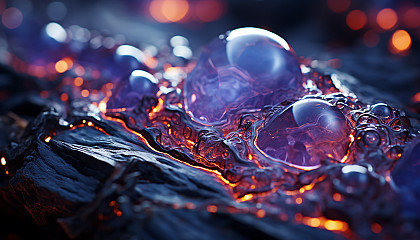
{"x":305,"y":133}
{"x":246,"y":68}
{"x":130,"y":90}
{"x":381,"y":110}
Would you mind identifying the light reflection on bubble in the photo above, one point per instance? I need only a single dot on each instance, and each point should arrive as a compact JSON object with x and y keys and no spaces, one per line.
{"x":127,"y":50}
{"x":178,"y":41}
{"x":56,"y":31}
{"x":182,"y":51}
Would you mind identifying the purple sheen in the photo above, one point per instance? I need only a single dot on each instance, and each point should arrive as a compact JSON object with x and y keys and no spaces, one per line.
{"x":131,"y":89}
{"x":406,"y":175}
{"x":239,"y":70}
{"x":305,"y":133}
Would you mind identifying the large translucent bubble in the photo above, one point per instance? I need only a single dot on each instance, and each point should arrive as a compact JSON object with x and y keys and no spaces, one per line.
{"x":247,"y":68}
{"x":305,"y":133}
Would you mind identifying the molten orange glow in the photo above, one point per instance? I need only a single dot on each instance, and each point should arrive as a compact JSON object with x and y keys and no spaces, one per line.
{"x":376,"y":228}
{"x":246,"y":198}
{"x":168,"y":10}
{"x":64,"y":97}
{"x":401,"y":40}
{"x":209,"y":10}
{"x":78,"y":81}
{"x":61,"y":66}
{"x":411,"y":17}
{"x":85,"y":93}
{"x":387,"y":18}
{"x":299,"y":200}
{"x":102,"y":106}
{"x":356,"y":19}
{"x":338,"y":6}
{"x":90,"y":124}
{"x":47,"y":139}
{"x":211,"y":208}
{"x":312,"y":222}
{"x":334,"y":225}
{"x":3,"y":161}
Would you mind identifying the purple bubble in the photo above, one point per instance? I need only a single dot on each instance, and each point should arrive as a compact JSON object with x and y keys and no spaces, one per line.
{"x":131,"y":89}
{"x":247,"y":68}
{"x":305,"y":133}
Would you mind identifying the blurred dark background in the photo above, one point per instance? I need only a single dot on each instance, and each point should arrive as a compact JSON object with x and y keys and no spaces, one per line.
{"x":377,"y":41}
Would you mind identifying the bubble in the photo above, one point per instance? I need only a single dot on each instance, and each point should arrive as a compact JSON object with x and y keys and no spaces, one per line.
{"x":305,"y":133}
{"x":371,"y":138}
{"x":354,"y":180}
{"x":381,"y":110}
{"x":131,"y":89}
{"x":247,"y":68}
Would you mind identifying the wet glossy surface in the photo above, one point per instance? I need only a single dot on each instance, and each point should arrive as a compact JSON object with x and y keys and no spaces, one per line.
{"x":131,"y":89}
{"x":305,"y":133}
{"x":245,"y":69}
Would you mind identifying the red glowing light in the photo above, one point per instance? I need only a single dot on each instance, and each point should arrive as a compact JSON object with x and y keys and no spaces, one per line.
{"x":338,"y":6}
{"x":356,"y":19}
{"x":376,"y":228}
{"x":64,"y":97}
{"x":387,"y":18}
{"x":209,"y":10}
{"x":411,"y":17}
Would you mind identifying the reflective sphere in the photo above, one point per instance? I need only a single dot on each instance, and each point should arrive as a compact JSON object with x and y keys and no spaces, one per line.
{"x":381,"y":110}
{"x":131,"y":89}
{"x":305,"y":133}
{"x":247,"y":68}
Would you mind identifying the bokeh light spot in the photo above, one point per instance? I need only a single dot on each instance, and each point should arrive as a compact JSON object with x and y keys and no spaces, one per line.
{"x":356,"y":19}
{"x":12,"y":18}
{"x":168,"y":10}
{"x":401,"y":40}
{"x":61,"y":66}
{"x":387,"y":18}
